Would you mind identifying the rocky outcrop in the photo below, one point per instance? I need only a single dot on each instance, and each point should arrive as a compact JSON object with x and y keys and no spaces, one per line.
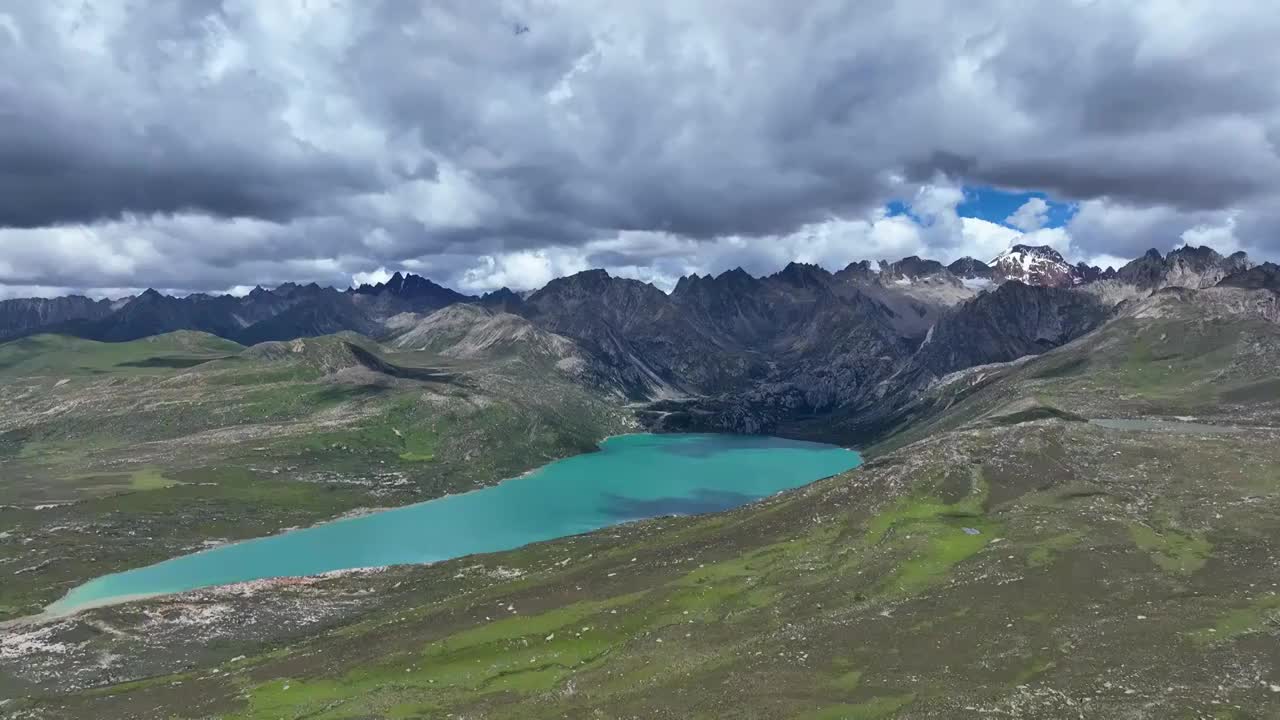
{"x":1189,"y":267}
{"x":1261,"y":277}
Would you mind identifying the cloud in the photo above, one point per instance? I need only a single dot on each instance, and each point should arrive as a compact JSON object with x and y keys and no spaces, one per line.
{"x":205,"y":145}
{"x":1032,"y":215}
{"x":1221,"y":237}
{"x":381,"y":275}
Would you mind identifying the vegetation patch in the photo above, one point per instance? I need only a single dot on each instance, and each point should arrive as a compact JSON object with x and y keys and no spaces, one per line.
{"x":1173,"y":551}
{"x":874,"y":709}
{"x":934,"y":535}
{"x":520,"y":654}
{"x":1261,"y":615}
{"x":1043,"y":552}
{"x":150,"y":479}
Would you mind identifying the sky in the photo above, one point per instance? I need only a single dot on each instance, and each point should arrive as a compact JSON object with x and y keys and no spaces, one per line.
{"x":214,"y":145}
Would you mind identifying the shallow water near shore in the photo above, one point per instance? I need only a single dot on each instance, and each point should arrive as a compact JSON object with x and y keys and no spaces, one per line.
{"x":632,"y":477}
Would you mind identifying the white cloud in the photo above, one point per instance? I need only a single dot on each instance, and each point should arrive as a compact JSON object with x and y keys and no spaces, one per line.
{"x":983,"y":239}
{"x":1105,"y":227}
{"x":1057,"y":238}
{"x":372,"y":277}
{"x":1032,"y":215}
{"x":522,"y":270}
{"x":1105,"y":261}
{"x":1220,"y":237}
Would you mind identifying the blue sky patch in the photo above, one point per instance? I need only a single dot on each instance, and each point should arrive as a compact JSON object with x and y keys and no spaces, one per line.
{"x":898,"y":207}
{"x":995,"y":205}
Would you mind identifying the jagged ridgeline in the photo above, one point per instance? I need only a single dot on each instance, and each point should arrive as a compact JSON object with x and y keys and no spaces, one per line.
{"x":731,"y":352}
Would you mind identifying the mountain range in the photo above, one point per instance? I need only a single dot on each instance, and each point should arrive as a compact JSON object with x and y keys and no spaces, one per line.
{"x":727,"y":352}
{"x":1067,"y":509}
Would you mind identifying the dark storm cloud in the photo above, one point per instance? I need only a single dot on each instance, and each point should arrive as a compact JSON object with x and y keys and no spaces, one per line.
{"x":141,"y":127}
{"x":209,"y":144}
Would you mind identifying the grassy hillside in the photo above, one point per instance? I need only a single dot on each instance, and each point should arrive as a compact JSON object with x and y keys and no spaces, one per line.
{"x":44,"y":355}
{"x":1045,"y":569}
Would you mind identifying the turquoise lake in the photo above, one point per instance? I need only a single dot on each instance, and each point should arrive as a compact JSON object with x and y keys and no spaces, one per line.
{"x":632,"y":477}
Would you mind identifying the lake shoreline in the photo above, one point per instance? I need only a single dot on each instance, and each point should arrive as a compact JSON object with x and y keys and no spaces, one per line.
{"x":630,"y":477}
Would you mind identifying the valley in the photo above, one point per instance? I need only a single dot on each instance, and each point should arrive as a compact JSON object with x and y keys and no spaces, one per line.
{"x":1067,"y":507}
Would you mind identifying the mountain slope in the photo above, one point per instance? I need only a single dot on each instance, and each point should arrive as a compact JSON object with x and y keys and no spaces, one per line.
{"x":468,"y":331}
{"x":58,"y":354}
{"x":28,"y":315}
{"x":1179,"y":353}
{"x":1006,"y":324}
{"x":640,"y":337}
{"x":322,"y":311}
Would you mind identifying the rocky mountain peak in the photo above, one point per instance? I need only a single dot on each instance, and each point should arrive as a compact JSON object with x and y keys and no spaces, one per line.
{"x":587,"y":280}
{"x":735,"y":280}
{"x":1040,"y":251}
{"x":910,"y":268}
{"x":403,"y":292}
{"x":688,"y":283}
{"x":968,"y":268}
{"x":598,"y":288}
{"x":1035,"y":265}
{"x":1187,"y":266}
{"x":502,"y":297}
{"x":860,"y":273}
{"x":735,"y":275}
{"x":802,"y":275}
{"x":1090,"y":273}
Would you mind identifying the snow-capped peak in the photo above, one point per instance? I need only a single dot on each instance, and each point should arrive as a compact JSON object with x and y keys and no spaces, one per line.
{"x":1035,"y":265}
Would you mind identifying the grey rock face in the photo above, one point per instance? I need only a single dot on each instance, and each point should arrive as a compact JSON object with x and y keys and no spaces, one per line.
{"x":970,"y":269}
{"x":1189,"y":267}
{"x":1261,"y":277}
{"x":27,"y":315}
